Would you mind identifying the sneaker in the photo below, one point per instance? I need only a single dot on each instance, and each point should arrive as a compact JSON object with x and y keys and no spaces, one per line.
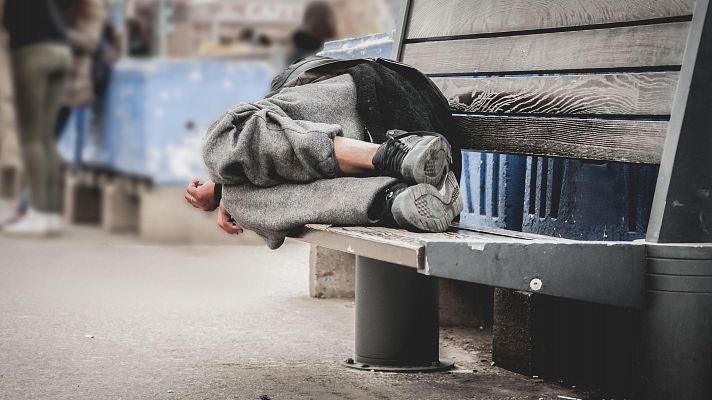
{"x":33,"y":223}
{"x":414,"y":157}
{"x":425,"y":208}
{"x":18,"y":211}
{"x":54,"y":224}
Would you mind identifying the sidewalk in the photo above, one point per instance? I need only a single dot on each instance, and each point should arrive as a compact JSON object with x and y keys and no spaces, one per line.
{"x":95,"y":316}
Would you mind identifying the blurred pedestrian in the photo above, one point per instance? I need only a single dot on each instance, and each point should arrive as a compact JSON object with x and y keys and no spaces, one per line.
{"x":41,"y":60}
{"x":106,"y":54}
{"x":139,"y":40}
{"x":318,"y":25}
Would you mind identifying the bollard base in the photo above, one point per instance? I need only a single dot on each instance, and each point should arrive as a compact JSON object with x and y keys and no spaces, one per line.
{"x":438,"y":366}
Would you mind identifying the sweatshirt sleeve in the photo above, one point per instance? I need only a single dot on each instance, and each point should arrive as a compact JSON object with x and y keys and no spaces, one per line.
{"x":258,"y":143}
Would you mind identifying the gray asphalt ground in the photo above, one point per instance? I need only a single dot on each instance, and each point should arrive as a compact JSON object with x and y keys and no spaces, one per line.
{"x":95,"y":316}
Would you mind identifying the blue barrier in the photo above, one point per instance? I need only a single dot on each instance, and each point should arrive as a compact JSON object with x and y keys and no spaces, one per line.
{"x":156,"y":113}
{"x":587,"y":201}
{"x":493,"y":190}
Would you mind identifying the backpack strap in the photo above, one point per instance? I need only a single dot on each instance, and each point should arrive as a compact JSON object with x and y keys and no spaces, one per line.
{"x":311,"y":64}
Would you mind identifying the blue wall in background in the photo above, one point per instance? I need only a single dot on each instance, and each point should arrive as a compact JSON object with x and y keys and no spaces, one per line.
{"x":156,"y":113}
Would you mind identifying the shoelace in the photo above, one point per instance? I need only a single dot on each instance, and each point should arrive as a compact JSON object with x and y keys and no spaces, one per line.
{"x":394,"y":152}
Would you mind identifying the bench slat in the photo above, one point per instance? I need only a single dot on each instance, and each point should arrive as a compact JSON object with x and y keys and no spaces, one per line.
{"x":625,"y":47}
{"x":608,"y":94}
{"x":393,"y":245}
{"x":593,"y":139}
{"x":435,"y":18}
{"x":350,"y":240}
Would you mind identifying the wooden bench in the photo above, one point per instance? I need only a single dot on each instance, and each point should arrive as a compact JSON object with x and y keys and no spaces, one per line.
{"x":603,"y":80}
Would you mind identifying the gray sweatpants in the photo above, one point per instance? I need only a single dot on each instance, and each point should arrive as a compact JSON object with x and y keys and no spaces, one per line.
{"x":276,"y":160}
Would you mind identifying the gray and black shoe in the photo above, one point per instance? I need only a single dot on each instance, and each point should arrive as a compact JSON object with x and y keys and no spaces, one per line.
{"x":414,"y":157}
{"x":425,"y":208}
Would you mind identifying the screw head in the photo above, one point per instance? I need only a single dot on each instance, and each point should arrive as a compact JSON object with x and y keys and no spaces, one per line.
{"x":349,"y":361}
{"x":536,"y":284}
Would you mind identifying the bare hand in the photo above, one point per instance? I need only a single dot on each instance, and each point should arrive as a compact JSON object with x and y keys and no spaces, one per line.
{"x":226,"y":223}
{"x":202,"y":197}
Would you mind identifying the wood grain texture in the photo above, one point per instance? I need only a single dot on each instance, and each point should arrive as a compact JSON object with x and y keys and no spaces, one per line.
{"x":638,"y":46}
{"x":407,"y":248}
{"x":592,"y":139}
{"x":397,"y":246}
{"x":620,"y":93}
{"x":433,"y":18}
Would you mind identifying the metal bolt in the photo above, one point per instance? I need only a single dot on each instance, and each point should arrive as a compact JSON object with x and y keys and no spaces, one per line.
{"x":349,"y":361}
{"x":535,"y":284}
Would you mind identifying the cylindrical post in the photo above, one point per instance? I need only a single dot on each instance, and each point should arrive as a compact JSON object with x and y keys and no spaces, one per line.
{"x":396,"y":316}
{"x":676,"y":332}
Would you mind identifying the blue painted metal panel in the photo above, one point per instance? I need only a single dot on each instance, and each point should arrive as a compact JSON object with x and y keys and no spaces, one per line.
{"x":587,"y":201}
{"x":493,"y":189}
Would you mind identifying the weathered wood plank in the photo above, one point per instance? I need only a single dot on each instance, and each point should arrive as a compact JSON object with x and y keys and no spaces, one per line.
{"x":402,"y":247}
{"x":618,"y":94}
{"x":386,"y":247}
{"x":638,"y":46}
{"x":593,"y":139}
{"x":434,"y":18}
{"x":393,"y":245}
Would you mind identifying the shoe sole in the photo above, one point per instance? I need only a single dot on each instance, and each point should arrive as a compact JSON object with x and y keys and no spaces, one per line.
{"x":48,"y":233}
{"x":423,"y":208}
{"x":29,"y":234}
{"x":428,"y":162}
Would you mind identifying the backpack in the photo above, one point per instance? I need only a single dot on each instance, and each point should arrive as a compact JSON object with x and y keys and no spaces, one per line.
{"x":309,"y":64}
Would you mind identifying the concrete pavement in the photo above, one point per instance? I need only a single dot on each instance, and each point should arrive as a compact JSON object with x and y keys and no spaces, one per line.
{"x":95,"y":316}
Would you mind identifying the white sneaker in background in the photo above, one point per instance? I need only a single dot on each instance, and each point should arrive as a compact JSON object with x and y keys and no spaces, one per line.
{"x":55,"y":224}
{"x":11,"y":218}
{"x":33,"y":223}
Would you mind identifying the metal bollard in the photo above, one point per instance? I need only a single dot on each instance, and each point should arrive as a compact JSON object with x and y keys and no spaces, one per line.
{"x":396,"y":319}
{"x":676,"y":331}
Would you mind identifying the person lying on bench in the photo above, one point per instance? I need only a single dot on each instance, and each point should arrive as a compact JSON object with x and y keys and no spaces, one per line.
{"x":307,"y":155}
